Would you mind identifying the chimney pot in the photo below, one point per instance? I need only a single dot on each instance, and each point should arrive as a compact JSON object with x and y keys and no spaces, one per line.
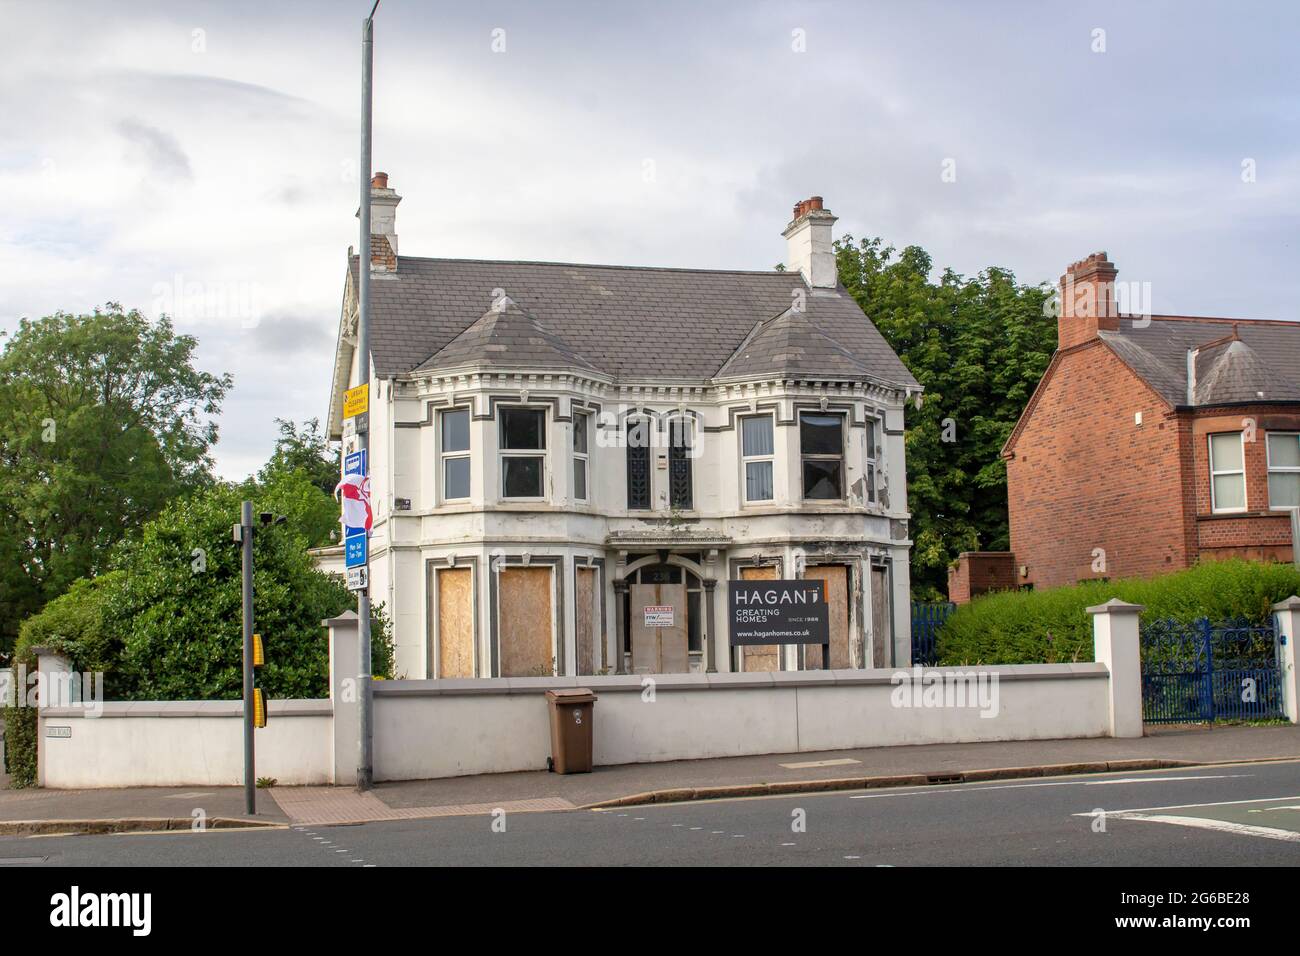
{"x":815,"y":202}
{"x":379,"y":180}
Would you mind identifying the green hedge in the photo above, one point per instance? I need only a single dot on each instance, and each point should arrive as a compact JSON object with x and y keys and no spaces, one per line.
{"x":1032,"y":627}
{"x":20,"y":746}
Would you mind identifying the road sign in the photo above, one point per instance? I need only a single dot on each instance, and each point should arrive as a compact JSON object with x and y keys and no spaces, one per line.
{"x":354,"y":550}
{"x":777,"y":612}
{"x":357,"y":463}
{"x":358,"y":578}
{"x":356,"y":401}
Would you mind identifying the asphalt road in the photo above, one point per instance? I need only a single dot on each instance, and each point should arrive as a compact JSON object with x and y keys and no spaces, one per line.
{"x":1243,"y":815}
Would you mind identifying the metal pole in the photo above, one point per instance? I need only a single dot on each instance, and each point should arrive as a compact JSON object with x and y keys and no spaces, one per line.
{"x":1295,"y":537}
{"x":246,"y":543}
{"x":365,"y":765}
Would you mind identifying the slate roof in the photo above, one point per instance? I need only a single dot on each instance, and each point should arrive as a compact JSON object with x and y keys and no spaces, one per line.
{"x":506,"y":335}
{"x":792,"y":344}
{"x":1264,"y":357}
{"x":644,"y":324}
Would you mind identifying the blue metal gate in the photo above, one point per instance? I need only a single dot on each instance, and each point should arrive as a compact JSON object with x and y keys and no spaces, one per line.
{"x":927,"y":619}
{"x":1198,"y":671}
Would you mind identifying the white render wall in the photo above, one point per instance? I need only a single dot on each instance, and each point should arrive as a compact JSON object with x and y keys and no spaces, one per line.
{"x":184,"y":743}
{"x":445,"y":728}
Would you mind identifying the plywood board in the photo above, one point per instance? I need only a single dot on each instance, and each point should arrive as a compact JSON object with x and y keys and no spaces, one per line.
{"x":455,"y":622}
{"x":659,"y":650}
{"x":880,"y":617}
{"x":587,"y":618}
{"x":836,"y":577}
{"x":525,"y":622}
{"x":760,"y":658}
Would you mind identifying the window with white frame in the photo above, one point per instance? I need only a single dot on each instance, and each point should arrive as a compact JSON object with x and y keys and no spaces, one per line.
{"x":821,"y":447}
{"x":454,"y":444}
{"x":522,"y":443}
{"x":581,"y":441}
{"x":1283,"y":470}
{"x":1227,"y":472}
{"x":871,"y":439}
{"x":757,"y":453}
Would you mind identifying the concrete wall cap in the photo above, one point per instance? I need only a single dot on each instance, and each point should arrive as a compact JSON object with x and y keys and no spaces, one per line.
{"x":1116,"y":606}
{"x":1290,"y":604}
{"x":347,"y":617}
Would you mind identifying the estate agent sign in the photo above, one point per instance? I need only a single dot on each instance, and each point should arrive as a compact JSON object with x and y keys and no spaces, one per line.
{"x":777,"y":612}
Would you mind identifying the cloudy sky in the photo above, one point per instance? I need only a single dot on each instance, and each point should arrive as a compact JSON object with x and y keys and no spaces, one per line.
{"x":199,"y":159}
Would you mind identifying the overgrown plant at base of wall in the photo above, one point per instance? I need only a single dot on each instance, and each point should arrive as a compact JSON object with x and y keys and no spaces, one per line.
{"x":1053,"y":627}
{"x":20,"y":746}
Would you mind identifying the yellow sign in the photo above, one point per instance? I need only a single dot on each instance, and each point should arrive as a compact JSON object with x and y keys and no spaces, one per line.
{"x":356,"y":401}
{"x":259,"y":707}
{"x":259,"y":655}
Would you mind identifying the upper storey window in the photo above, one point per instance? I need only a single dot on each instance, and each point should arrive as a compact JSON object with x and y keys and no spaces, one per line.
{"x":522,"y":440}
{"x":1227,"y":472}
{"x":757,"y":452}
{"x":821,"y":448}
{"x":454,"y":443}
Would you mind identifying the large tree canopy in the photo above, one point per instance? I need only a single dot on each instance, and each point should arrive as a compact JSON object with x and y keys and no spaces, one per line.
{"x":103,"y":419}
{"x":978,"y":346}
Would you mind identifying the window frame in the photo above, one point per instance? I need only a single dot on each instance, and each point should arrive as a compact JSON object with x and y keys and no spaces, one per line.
{"x":685,"y":425}
{"x":747,"y":460}
{"x":445,"y":456}
{"x":842,"y":458}
{"x":583,"y":457}
{"x":873,"y":439}
{"x":1245,"y":493}
{"x":630,"y":423}
{"x":504,"y":453}
{"x":1270,"y":469}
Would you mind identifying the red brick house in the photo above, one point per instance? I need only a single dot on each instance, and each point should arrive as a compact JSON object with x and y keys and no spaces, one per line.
{"x":1149,"y":443}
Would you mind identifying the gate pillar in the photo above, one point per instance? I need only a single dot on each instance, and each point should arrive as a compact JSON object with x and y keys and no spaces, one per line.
{"x":1115,"y":644}
{"x":1287,"y":614}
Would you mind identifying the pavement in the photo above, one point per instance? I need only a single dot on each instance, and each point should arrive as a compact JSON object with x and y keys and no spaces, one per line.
{"x":1200,"y":819}
{"x":174,"y":808}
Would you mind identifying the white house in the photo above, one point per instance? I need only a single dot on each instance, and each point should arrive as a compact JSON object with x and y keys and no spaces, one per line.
{"x":556,"y":447}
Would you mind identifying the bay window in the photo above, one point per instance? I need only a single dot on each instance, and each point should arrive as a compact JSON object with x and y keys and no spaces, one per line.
{"x":581,"y":437}
{"x":821,"y":447}
{"x":1227,"y":472}
{"x":522,"y":440}
{"x":1283,"y":470}
{"x":454,"y":444}
{"x":757,"y":449}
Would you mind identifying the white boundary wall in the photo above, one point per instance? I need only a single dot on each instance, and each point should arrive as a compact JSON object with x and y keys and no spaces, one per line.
{"x":441,"y":728}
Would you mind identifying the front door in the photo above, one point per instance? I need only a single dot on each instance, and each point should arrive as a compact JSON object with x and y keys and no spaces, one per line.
{"x":658,"y":627}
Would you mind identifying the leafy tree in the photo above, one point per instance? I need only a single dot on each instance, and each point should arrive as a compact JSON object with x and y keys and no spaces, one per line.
{"x":178,"y":609}
{"x":306,"y":449}
{"x":103,"y":420}
{"x":978,"y":346}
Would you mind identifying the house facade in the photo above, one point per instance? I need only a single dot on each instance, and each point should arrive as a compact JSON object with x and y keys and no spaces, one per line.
{"x":569,"y":462}
{"x":1151,"y":443}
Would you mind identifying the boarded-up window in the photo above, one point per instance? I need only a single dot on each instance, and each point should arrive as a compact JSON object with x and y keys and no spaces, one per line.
{"x":525,"y":622}
{"x":836,"y":577}
{"x":455,"y":633}
{"x":587,"y":618}
{"x":765,"y":658}
{"x":881,"y":652}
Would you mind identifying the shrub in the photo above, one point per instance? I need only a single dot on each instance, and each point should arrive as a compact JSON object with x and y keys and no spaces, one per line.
{"x":1026,"y":627}
{"x":20,"y":746}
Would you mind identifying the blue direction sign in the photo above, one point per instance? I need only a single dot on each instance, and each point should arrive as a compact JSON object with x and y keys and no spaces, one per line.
{"x":355,"y":464}
{"x":354,"y":550}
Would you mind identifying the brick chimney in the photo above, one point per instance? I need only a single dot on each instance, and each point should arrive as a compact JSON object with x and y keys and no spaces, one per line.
{"x":808,"y":238}
{"x":1087,"y":301}
{"x":383,"y":224}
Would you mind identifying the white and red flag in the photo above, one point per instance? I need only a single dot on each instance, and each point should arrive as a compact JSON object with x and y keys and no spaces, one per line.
{"x":354,"y":493}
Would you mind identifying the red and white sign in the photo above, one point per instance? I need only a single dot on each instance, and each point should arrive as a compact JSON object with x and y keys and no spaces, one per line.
{"x":659,"y":615}
{"x":354,"y":492}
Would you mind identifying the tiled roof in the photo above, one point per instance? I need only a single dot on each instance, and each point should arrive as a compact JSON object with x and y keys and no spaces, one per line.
{"x":792,"y":344}
{"x":630,"y":323}
{"x":1264,"y":359}
{"x":506,"y":335}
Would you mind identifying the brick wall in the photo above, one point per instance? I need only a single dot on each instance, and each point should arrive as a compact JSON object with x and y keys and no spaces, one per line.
{"x":1083,"y":476}
{"x":978,"y":572}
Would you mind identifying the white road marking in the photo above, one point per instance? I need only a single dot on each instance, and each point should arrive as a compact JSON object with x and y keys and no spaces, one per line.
{"x":809,"y":764}
{"x":1205,"y":823}
{"x":1191,"y":806}
{"x":967,"y":788}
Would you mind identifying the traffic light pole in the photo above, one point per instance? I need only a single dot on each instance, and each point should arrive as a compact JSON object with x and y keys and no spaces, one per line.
{"x":246,"y":544}
{"x":365,"y":757}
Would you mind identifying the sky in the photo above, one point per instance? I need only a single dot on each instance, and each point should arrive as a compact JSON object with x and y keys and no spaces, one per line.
{"x":200,"y":159}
